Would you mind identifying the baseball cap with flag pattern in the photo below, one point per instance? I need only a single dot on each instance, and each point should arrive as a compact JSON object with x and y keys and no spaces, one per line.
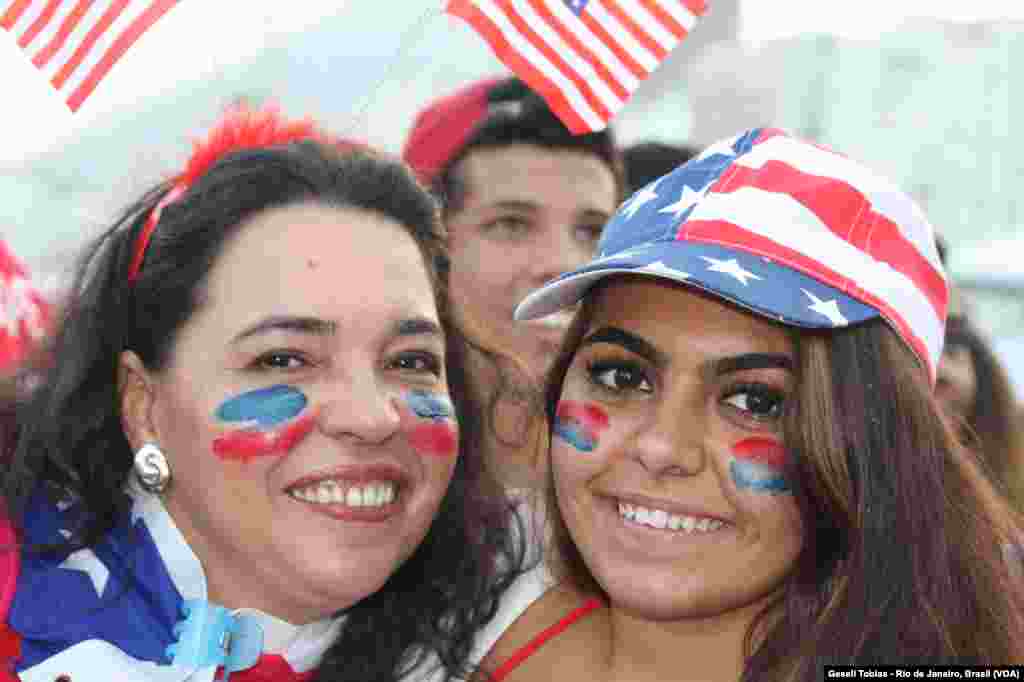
{"x":787,"y":229}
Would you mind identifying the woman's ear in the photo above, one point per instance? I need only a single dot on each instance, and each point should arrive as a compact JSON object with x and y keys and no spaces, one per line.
{"x":137,"y":397}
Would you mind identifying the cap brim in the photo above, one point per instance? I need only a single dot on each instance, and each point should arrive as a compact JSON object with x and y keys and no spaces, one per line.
{"x":759,"y":284}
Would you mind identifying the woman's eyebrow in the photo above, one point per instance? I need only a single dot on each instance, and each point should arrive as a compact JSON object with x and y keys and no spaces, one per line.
{"x":629,"y":341}
{"x":416,"y":326}
{"x":747,"y":361}
{"x":302,"y":325}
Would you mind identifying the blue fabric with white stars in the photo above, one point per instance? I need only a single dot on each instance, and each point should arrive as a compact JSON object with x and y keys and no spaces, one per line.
{"x":56,"y":607}
{"x":642,"y":237}
{"x":577,"y":6}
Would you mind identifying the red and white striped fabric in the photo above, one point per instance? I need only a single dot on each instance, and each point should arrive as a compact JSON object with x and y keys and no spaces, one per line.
{"x":784,"y":228}
{"x":75,"y":43}
{"x":585,"y":57}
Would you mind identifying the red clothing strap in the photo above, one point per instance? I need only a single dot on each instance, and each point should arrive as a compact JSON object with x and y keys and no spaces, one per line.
{"x":540,"y":640}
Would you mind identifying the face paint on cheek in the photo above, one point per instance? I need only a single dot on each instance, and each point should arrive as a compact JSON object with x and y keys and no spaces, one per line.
{"x":758,"y":465}
{"x":274,"y":420}
{"x":432,"y":430}
{"x":580,"y":424}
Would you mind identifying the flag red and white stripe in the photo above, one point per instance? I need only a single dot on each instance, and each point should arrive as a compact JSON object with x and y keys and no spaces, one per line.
{"x":75,"y":43}
{"x":585,"y":57}
{"x":25,"y":314}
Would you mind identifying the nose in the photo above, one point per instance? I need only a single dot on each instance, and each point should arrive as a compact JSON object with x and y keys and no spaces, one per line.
{"x":559,"y":251}
{"x":358,"y":407}
{"x":672,"y":441}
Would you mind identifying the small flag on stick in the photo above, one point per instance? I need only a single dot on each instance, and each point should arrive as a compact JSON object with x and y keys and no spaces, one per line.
{"x":75,"y":43}
{"x":585,"y":57}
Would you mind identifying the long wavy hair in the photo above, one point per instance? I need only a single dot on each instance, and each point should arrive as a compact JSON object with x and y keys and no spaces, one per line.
{"x":992,"y":426}
{"x":903,"y":558}
{"x":72,"y":439}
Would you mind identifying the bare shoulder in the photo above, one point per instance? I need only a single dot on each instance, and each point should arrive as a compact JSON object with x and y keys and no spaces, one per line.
{"x":571,"y":654}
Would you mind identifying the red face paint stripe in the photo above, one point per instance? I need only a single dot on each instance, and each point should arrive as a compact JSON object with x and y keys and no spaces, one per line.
{"x":246,"y":444}
{"x":434,"y":438}
{"x":766,"y":451}
{"x":588,"y":414}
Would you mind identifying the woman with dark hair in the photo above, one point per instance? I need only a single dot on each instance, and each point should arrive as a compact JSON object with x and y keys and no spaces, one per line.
{"x":751,"y":474}
{"x":975,"y":391}
{"x":252,"y":457}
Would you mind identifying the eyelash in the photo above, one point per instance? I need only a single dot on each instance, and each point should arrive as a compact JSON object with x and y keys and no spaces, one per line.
{"x":596,"y":369}
{"x":758,"y":392}
{"x":263,"y":361}
{"x":431,"y":361}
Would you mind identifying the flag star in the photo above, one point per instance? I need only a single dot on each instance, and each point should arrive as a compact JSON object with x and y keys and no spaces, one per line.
{"x":659,"y":267}
{"x":732,"y":268}
{"x":829,"y":309}
{"x":643,"y":196}
{"x":687,"y":198}
{"x":84,"y":560}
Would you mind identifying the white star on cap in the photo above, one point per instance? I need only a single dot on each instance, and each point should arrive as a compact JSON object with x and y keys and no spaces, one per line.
{"x":659,"y":268}
{"x":645,"y":195}
{"x":688,"y":198}
{"x":731,"y":267}
{"x":829,"y":309}
{"x":86,"y":561}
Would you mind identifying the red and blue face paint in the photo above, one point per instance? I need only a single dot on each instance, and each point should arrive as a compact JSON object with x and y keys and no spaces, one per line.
{"x":271,"y":421}
{"x":580,"y":424}
{"x":758,"y":464}
{"x":433,"y":431}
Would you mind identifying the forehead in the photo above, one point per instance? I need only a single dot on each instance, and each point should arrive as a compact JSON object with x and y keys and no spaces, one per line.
{"x":567,"y":178}
{"x":310,"y":259}
{"x":683,"y":320}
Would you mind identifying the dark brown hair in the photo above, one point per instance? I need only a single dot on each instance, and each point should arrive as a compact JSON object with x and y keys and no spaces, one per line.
{"x":903,"y":556}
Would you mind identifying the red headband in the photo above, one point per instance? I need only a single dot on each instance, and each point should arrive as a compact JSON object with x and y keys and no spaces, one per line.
{"x":239,"y":128}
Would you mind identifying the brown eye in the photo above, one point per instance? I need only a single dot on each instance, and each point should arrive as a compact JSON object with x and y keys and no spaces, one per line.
{"x":759,"y":402}
{"x":419,"y":363}
{"x":619,"y":377}
{"x":285,"y":360}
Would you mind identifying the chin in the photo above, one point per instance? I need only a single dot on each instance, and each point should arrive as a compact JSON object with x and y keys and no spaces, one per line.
{"x":655,"y":600}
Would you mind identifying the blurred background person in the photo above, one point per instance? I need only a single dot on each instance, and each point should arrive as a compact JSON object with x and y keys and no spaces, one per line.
{"x":975,"y":391}
{"x":523,"y":201}
{"x":645,"y":162}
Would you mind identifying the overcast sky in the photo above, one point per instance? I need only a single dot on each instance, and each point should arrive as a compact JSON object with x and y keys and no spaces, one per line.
{"x":192,"y":41}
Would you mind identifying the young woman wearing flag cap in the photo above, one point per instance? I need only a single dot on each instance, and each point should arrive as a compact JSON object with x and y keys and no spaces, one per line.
{"x":752,"y":476}
{"x":252,"y":458}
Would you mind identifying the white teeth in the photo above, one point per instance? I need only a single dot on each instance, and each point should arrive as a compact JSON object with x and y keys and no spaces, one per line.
{"x":335,"y":492}
{"x":661,"y":519}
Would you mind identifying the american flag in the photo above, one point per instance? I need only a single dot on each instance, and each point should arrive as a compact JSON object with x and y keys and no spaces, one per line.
{"x":75,"y":43}
{"x":585,"y":57}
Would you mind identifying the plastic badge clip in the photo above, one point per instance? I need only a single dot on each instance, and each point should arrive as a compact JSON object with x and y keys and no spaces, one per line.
{"x":211,"y":635}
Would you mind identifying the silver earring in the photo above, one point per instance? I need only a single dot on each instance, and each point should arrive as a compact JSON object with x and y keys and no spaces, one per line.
{"x":151,"y":468}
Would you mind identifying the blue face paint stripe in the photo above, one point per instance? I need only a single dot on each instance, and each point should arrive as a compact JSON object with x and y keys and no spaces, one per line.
{"x":574,"y":434}
{"x":756,"y":477}
{"x":267,"y":407}
{"x":429,"y":405}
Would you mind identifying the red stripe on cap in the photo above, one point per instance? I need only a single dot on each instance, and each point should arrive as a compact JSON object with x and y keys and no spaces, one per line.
{"x":465,"y":10}
{"x":724,"y":233}
{"x":834,"y":202}
{"x":121,"y":45}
